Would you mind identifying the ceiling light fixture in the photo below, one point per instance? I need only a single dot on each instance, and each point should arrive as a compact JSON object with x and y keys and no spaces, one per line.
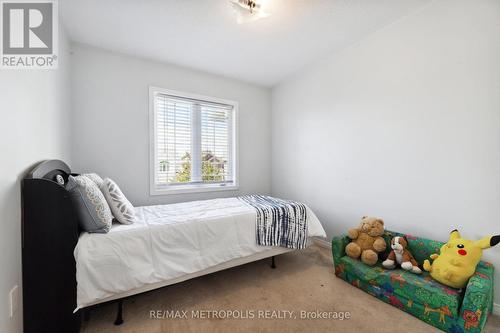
{"x":248,"y":10}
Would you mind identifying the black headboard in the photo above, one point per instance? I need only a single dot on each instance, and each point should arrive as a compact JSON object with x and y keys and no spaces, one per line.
{"x":49,"y":236}
{"x":49,"y":169}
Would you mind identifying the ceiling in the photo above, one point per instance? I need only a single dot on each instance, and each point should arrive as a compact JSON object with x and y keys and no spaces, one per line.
{"x":204,"y":34}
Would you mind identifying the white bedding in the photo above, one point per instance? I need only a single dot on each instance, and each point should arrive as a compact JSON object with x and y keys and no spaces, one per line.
{"x":166,"y":242}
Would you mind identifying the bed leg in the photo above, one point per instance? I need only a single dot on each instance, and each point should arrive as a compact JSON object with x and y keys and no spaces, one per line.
{"x":273,"y":265}
{"x":86,"y":315}
{"x":119,"y":313}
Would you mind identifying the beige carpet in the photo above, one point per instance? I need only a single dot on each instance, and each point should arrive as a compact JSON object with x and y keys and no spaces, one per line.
{"x":302,"y":281}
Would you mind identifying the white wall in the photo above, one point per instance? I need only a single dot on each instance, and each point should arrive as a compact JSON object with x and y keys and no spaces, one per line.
{"x":404,"y":125}
{"x":111,"y":127}
{"x":34,"y":126}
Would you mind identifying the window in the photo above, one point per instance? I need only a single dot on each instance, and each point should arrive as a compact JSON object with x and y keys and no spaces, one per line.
{"x":193,"y":143}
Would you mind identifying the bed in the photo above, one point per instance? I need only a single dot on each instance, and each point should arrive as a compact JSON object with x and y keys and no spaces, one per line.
{"x":168,"y":244}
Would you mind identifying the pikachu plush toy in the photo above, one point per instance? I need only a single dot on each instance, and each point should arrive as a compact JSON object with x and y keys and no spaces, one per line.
{"x":458,"y":258}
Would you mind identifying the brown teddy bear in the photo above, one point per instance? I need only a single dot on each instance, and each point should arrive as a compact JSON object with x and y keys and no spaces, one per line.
{"x":366,"y":240}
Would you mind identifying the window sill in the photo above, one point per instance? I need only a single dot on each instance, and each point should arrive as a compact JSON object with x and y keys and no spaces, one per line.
{"x":191,"y":189}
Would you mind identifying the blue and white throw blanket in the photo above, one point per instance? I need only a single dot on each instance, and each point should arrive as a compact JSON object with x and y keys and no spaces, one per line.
{"x":279,"y":222}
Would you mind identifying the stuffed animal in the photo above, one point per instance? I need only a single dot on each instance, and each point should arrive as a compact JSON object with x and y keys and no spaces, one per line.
{"x":366,"y":241}
{"x":458,"y":259}
{"x":401,"y":255}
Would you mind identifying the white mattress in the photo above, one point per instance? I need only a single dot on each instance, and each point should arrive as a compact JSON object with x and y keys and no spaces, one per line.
{"x":167,"y":242}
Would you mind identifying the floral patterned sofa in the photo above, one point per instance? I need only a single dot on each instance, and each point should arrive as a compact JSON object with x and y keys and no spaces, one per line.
{"x":446,"y":308}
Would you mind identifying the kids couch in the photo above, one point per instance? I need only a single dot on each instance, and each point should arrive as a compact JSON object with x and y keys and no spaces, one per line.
{"x":446,"y":308}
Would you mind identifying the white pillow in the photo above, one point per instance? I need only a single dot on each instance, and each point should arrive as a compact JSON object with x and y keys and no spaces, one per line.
{"x":121,"y":208}
{"x":95,"y":178}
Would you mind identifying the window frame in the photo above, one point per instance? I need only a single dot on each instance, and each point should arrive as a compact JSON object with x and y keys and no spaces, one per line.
{"x":188,"y":188}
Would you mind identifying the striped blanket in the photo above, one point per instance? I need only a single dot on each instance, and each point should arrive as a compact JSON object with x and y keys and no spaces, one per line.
{"x":279,"y":222}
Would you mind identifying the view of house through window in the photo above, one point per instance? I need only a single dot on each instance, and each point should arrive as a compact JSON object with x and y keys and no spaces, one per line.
{"x":193,"y":142}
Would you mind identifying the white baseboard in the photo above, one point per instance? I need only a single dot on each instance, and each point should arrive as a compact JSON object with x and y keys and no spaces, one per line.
{"x":496,"y":309}
{"x":322,"y":242}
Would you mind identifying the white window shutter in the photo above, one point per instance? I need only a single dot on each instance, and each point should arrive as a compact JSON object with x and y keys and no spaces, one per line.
{"x":194,"y":143}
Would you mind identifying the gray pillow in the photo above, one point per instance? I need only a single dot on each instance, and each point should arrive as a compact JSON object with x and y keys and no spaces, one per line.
{"x":122,"y":209}
{"x":95,"y":178}
{"x":92,"y":209}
